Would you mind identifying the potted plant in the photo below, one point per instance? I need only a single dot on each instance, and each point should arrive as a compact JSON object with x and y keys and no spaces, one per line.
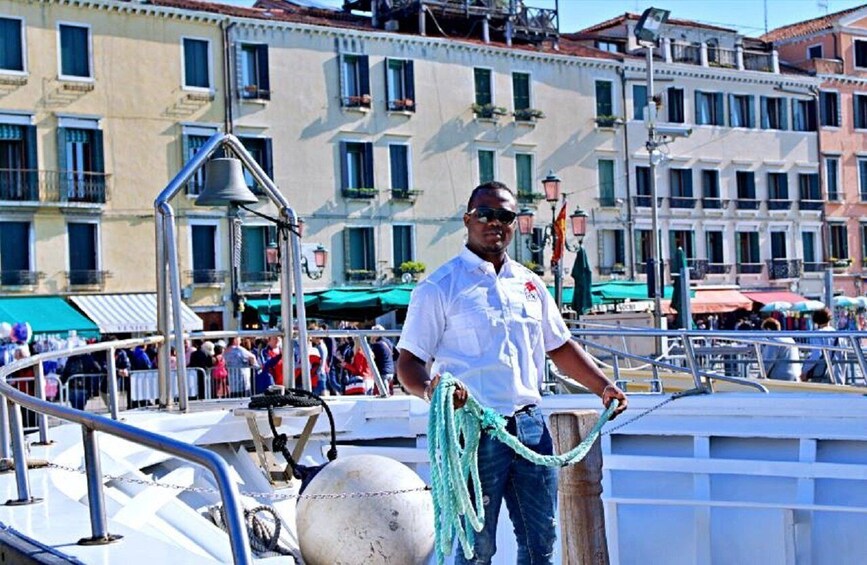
{"x":356,"y":275}
{"x":608,"y":121}
{"x":535,"y":267}
{"x":528,"y":115}
{"x":404,"y":104}
{"x":618,"y":269}
{"x":413,"y":268}
{"x":840,"y":264}
{"x":488,"y":111}
{"x":362,"y":101}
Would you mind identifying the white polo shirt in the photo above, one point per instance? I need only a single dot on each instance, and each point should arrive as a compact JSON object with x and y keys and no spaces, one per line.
{"x":489,"y":330}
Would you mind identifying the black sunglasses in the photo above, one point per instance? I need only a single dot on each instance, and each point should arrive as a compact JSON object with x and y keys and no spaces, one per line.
{"x":485,"y":215}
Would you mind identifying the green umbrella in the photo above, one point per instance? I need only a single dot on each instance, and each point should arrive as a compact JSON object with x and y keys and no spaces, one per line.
{"x":582,"y":300}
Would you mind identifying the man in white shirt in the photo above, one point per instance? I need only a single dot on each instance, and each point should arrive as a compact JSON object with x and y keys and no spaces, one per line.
{"x":490,"y":321}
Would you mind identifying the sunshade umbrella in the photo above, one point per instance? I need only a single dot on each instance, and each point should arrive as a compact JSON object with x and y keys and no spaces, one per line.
{"x":582,"y":301}
{"x":845,"y":302}
{"x":778,"y":306}
{"x":680,"y":296}
{"x":808,"y":306}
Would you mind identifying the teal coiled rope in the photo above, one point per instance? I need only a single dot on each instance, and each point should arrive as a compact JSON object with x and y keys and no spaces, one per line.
{"x":453,"y":443}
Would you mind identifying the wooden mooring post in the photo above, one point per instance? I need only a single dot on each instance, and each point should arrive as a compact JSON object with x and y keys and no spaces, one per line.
{"x":582,"y":517}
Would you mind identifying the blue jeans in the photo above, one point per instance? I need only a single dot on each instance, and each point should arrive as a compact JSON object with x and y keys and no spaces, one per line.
{"x":530,"y":492}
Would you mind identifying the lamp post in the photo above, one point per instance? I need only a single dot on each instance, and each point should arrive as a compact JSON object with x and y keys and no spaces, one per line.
{"x":578,"y":220}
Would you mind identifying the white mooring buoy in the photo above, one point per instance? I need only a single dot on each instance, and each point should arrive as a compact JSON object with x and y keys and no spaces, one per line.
{"x":391,"y":529}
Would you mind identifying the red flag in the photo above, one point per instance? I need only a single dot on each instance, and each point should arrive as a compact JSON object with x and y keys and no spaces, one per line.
{"x":560,"y":233}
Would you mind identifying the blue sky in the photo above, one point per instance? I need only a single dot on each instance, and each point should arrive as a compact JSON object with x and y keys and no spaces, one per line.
{"x":747,"y":16}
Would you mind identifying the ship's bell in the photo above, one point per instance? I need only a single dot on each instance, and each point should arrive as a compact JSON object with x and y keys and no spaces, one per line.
{"x":225,"y":184}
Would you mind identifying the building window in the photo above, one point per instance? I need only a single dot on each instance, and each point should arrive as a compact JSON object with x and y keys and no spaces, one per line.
{"x":839,"y":244}
{"x":192,"y":141}
{"x":808,"y":191}
{"x":862,"y":180}
{"x":11,"y":45}
{"x":860,"y":47}
{"x":710,"y":189}
{"x":612,"y":249}
{"x":741,"y":114}
{"x":605,"y":169}
{"x":860,"y":101}
{"x":863,"y":244}
{"x":81,"y":163}
{"x":260,"y":149}
{"x":643,"y":247}
{"x":609,"y":46}
{"x":778,"y":191}
{"x":359,"y":254}
{"x":83,"y":248}
{"x":197,"y":63}
{"x":685,"y":239}
{"x":487,"y":171}
{"x":400,"y":85}
{"x":524,"y":173}
{"x":814,"y":52}
{"x":521,"y":90}
{"x":402,"y":244}
{"x":808,"y":242}
{"x":709,"y":108}
{"x":746,"y":185}
{"x":715,"y":256}
{"x":803,"y":115}
{"x":15,"y":254}
{"x":604,"y":99}
{"x":355,"y":81}
{"x":778,"y":246}
{"x":204,"y":243}
{"x":255,"y":82}
{"x":681,"y":188}
{"x":832,"y":178}
{"x":639,"y":101}
{"x":829,"y":104}
{"x":399,"y":169}
{"x":484,"y":88}
{"x":674,"y":99}
{"x":19,"y":175}
{"x":255,"y":241}
{"x":356,"y":169}
{"x":642,"y":186}
{"x":74,"y":51}
{"x":773,"y":112}
{"x":748,"y":258}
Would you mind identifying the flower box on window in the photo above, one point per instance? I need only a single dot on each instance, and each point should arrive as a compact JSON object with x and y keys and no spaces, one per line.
{"x":402,"y":105}
{"x":361,"y":101}
{"x":608,"y":121}
{"x":489,"y":111}
{"x":360,"y":275}
{"x":528,"y":115}
{"x":363,"y":193}
{"x":405,"y":194}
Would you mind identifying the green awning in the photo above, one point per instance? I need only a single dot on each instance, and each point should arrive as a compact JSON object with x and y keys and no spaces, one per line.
{"x":50,"y":315}
{"x":620,"y":291}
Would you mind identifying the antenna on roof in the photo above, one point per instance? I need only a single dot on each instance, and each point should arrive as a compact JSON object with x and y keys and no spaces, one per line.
{"x":823,"y":4}
{"x":766,"y":16}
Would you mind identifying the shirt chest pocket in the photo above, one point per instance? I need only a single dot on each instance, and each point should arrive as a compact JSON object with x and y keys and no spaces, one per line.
{"x":469,"y":333}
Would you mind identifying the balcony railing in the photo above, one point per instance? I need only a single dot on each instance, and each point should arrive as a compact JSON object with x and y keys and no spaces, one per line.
{"x":718,"y":268}
{"x":32,"y":185}
{"x":259,"y":276}
{"x":722,"y":57}
{"x":810,"y":204}
{"x":360,"y":275}
{"x":697,"y":269}
{"x":713,"y":203}
{"x":681,"y":53}
{"x":86,"y":277}
{"x":784,"y":269}
{"x":207,"y":276}
{"x":747,"y":204}
{"x":642,"y":201}
{"x":814,"y":267}
{"x":779,"y":204}
{"x":681,"y":202}
{"x":758,"y":61}
{"x":18,"y":278}
{"x":749,"y":268}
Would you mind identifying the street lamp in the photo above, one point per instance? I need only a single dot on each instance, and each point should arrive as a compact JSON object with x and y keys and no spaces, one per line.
{"x":578,"y":221}
{"x":647,"y":33}
{"x":320,"y":258}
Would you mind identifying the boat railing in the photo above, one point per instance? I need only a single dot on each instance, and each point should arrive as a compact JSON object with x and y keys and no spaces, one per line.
{"x":10,"y":415}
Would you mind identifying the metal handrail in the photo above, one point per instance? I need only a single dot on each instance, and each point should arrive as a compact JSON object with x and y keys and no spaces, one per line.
{"x":92,"y":423}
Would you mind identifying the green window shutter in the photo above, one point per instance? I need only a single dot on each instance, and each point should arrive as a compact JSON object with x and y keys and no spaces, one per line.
{"x":196,"y":63}
{"x":252,"y":251}
{"x":687,"y":182}
{"x":398,"y":159}
{"x":524,"y":173}
{"x":344,"y":165}
{"x":388,"y":85}
{"x":363,"y":74}
{"x":784,"y":113}
{"x":639,"y":101}
{"x":604,"y":106}
{"x":368,"y":165}
{"x":74,"y":56}
{"x":606,"y":181}
{"x":486,"y":166}
{"x":521,"y":90}
{"x":267,"y":158}
{"x":98,"y":153}
{"x":31,"y":162}
{"x":204,"y":254}
{"x":82,"y":246}
{"x":263,"y":77}
{"x":482,"y":78}
{"x":14,"y":246}
{"x":347,"y":249}
{"x":409,"y":78}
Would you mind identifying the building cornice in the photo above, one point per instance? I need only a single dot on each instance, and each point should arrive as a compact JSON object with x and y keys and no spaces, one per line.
{"x":729,"y":75}
{"x":845,"y":79}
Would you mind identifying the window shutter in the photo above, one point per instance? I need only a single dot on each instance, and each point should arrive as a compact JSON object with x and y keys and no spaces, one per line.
{"x":31,"y":162}
{"x":763,"y":107}
{"x":368,"y":166}
{"x":341,"y":78}
{"x":784,"y":186}
{"x":344,"y":165}
{"x":719,"y":100}
{"x":784,"y":113}
{"x":98,"y":152}
{"x":387,"y":84}
{"x":839,"y":110}
{"x":267,"y":158}
{"x":364,"y":74}
{"x":699,"y":119}
{"x":63,"y":174}
{"x":347,"y":249}
{"x":751,"y":185}
{"x":409,"y":77}
{"x":687,"y":182}
{"x":732,"y":110}
{"x":262,"y":62}
{"x":639,"y":101}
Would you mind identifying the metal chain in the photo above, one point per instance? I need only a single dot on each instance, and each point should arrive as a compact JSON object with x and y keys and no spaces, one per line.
{"x":270,"y":495}
{"x":672,"y":398}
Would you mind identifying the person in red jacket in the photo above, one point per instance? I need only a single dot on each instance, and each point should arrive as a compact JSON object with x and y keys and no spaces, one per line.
{"x":360,"y":380}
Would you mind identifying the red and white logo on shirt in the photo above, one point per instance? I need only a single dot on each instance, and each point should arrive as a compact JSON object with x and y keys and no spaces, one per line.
{"x":530,"y":291}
